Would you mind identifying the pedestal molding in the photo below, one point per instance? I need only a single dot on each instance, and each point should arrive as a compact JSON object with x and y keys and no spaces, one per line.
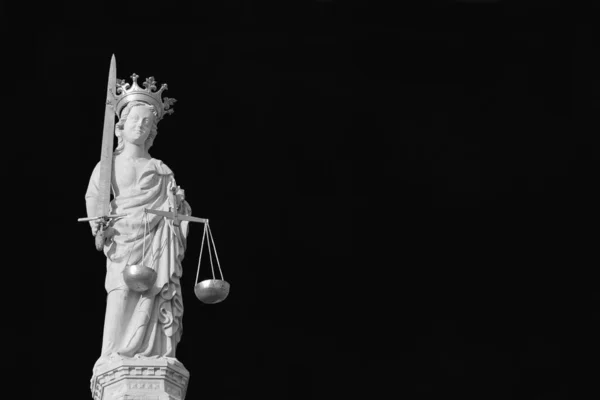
{"x":146,"y":379}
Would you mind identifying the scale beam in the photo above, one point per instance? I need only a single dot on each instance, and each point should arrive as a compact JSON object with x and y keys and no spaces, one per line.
{"x":175,"y":216}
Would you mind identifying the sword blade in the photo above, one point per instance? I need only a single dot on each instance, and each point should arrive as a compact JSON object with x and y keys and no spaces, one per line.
{"x":108,"y":134}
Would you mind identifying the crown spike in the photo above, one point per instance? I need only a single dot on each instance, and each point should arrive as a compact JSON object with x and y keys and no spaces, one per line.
{"x":122,"y":86}
{"x":163,"y":87}
{"x":150,"y":84}
{"x":127,"y":93}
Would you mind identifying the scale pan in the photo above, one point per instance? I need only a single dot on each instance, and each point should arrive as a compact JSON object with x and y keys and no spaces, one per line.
{"x":139,"y":278}
{"x":211,"y":291}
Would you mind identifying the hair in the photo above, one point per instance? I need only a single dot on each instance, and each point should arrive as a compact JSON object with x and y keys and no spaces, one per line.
{"x":121,"y":125}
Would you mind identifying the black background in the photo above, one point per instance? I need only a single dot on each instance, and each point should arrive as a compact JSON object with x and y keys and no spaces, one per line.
{"x":401,"y":198}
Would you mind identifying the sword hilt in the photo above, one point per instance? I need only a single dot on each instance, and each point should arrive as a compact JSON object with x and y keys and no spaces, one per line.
{"x":100,"y":238}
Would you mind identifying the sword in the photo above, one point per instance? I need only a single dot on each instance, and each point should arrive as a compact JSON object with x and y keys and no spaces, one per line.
{"x":103,"y":202}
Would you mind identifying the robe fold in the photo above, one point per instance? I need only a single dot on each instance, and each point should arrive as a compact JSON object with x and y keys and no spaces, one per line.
{"x":145,"y":324}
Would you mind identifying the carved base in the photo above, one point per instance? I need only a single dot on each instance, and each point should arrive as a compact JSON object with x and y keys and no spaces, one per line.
{"x":141,"y":379}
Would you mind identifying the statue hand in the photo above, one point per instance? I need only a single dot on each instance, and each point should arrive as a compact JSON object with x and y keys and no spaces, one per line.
{"x":108,"y":231}
{"x":95,"y":225}
{"x":184,"y":208}
{"x":180,"y":199}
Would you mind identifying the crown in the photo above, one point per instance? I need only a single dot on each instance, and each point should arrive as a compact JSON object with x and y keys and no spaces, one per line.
{"x":127,"y":93}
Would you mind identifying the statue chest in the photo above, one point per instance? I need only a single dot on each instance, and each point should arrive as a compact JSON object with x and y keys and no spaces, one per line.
{"x":127,"y":173}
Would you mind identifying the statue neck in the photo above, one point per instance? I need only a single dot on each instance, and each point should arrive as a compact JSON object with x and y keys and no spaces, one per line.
{"x":131,"y":150}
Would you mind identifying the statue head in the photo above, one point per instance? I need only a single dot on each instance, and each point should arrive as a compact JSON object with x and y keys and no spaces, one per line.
{"x":137,"y":124}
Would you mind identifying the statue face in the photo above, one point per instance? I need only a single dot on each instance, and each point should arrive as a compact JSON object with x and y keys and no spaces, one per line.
{"x":138,"y":125}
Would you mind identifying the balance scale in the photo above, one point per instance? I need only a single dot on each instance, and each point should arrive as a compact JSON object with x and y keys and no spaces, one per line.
{"x":140,"y":278}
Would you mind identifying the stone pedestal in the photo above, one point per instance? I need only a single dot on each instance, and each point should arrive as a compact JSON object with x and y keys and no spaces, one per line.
{"x":141,"y":379}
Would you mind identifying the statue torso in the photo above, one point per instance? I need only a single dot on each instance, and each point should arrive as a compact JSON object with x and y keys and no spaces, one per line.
{"x":126,"y":173}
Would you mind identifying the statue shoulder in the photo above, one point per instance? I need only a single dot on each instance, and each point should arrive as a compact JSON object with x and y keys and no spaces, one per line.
{"x":92,"y":189}
{"x":96,"y":171}
{"x":160,"y":167}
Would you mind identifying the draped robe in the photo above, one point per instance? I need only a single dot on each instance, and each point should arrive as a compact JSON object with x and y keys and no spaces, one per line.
{"x":147,"y":324}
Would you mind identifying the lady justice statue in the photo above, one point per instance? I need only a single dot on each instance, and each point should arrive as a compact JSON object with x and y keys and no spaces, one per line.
{"x":141,"y":328}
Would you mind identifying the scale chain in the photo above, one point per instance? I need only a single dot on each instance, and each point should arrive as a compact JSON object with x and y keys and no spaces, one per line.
{"x":208,"y":232}
{"x":212,"y":268}
{"x":201,"y":248}
{"x":145,"y":221}
{"x":216,"y":255}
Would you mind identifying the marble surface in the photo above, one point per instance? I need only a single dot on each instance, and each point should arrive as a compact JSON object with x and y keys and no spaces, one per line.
{"x":139,"y":378}
{"x":140,"y":325}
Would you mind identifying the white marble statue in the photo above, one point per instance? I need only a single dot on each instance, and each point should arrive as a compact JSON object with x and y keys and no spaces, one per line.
{"x":147,"y":324}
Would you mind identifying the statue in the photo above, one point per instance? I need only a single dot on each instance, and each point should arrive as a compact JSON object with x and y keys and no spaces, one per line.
{"x":139,"y":324}
{"x":149,"y":323}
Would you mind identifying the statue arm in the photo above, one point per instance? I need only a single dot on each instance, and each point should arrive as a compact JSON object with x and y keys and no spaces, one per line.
{"x":185,"y":209}
{"x":183,"y":206}
{"x":177,"y":201}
